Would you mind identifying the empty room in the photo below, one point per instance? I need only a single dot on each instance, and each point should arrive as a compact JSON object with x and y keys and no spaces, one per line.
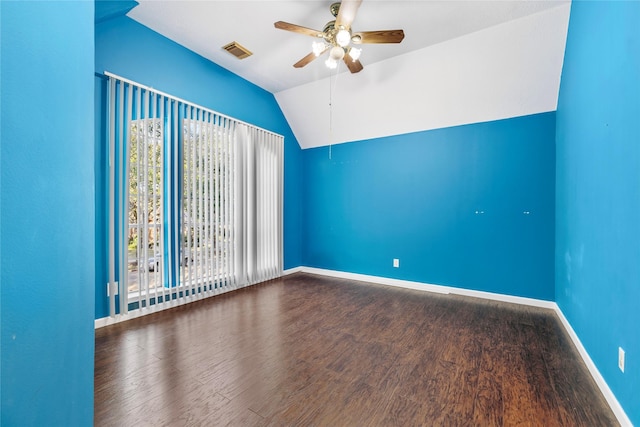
{"x":314,"y":213}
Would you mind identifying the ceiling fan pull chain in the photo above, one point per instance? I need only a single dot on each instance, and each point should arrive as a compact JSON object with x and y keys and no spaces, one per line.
{"x":330,"y":116}
{"x":331,"y":90}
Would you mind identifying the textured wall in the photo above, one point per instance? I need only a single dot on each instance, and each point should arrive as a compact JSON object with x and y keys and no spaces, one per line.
{"x":415,"y":197}
{"x":47,"y":235}
{"x":598,"y":190}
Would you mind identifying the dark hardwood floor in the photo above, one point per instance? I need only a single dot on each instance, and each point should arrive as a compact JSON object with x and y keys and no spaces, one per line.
{"x":315,"y":351}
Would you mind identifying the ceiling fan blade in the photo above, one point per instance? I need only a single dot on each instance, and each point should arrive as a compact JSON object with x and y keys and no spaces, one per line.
{"x":307,"y":59}
{"x":382,"y":36}
{"x":281,"y":25}
{"x":353,"y":66}
{"x":347,"y":13}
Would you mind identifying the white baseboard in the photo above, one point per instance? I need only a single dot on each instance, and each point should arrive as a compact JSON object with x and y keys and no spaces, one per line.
{"x":292,"y":270}
{"x":106,"y":321}
{"x":618,"y":411}
{"x":427,"y":287}
{"x":615,"y":406}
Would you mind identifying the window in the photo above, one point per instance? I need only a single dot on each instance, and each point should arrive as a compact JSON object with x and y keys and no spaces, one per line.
{"x":145,"y":231}
{"x":208,"y":205}
{"x":195,"y":200}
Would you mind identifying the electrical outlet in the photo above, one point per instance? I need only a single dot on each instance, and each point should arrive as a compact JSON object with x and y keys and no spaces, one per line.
{"x":396,"y":262}
{"x":621,"y":359}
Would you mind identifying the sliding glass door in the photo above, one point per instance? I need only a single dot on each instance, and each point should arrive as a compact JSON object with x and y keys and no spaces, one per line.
{"x":195,"y":200}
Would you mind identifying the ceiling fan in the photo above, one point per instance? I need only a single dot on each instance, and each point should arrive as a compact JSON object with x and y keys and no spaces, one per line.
{"x":337,"y":37}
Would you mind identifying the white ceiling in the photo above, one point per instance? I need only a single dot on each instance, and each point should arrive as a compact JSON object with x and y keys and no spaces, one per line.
{"x":447,"y":43}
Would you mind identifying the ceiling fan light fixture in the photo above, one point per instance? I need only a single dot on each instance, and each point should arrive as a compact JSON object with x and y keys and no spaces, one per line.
{"x":354,"y":53}
{"x":343,"y":37}
{"x":331,"y":63}
{"x":337,"y":38}
{"x":336,"y":53}
{"x":318,"y":48}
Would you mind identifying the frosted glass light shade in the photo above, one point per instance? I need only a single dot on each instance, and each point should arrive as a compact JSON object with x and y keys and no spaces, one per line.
{"x":354,"y":53}
{"x":331,"y":63}
{"x":336,"y":53}
{"x":343,"y":38}
{"x":318,"y":48}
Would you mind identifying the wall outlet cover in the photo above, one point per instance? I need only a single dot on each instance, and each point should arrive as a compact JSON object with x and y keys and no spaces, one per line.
{"x":621,"y":359}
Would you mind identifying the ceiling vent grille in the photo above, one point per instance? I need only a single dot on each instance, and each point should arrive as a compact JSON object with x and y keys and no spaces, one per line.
{"x":237,"y":50}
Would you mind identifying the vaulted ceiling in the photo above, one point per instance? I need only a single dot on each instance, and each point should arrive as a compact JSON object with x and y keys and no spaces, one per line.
{"x":460,"y":61}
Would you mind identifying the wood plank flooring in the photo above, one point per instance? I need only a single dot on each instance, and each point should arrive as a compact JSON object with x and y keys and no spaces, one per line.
{"x":307,"y":350}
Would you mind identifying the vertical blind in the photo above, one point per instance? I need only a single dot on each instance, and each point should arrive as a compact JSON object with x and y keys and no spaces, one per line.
{"x":195,"y":201}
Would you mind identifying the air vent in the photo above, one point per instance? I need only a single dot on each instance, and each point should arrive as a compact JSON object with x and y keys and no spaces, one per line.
{"x":237,"y":50}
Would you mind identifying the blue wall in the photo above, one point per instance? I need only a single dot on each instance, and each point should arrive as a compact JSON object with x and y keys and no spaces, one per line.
{"x":131,"y":50}
{"x":411,"y":197}
{"x":598,"y":190}
{"x":414,"y":197}
{"x":47,"y":215}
